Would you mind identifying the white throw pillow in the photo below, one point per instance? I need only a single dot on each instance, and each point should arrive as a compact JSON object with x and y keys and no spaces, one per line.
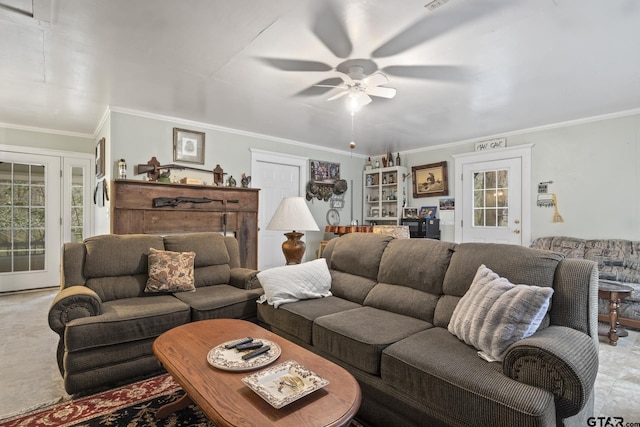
{"x":295,"y":282}
{"x":495,"y":313}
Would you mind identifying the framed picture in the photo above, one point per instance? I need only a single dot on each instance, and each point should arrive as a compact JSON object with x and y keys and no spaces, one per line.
{"x":337,"y":203}
{"x":428,"y":212}
{"x":100,"y":158}
{"x":188,"y":146}
{"x":410,"y":213}
{"x":430,"y":180}
{"x":324,"y":172}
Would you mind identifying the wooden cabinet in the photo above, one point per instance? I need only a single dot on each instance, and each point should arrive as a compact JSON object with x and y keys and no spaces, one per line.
{"x":383,"y":195}
{"x":233,"y":210}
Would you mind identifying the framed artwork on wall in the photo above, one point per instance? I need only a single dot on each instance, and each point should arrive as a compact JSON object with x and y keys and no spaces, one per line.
{"x":430,"y":180}
{"x":100,"y":158}
{"x":188,"y":146}
{"x":324,"y":172}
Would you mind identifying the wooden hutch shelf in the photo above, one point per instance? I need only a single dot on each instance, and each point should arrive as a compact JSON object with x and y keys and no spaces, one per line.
{"x":132,"y":212}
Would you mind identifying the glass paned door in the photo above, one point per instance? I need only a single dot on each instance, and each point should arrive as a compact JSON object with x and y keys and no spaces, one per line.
{"x":492,"y":201}
{"x":76,"y":213}
{"x":29,"y":218}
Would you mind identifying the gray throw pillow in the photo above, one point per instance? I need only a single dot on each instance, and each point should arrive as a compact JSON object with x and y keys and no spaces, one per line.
{"x":495,"y":313}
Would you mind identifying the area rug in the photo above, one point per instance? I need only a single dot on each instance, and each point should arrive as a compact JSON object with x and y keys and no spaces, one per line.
{"x":133,"y":405}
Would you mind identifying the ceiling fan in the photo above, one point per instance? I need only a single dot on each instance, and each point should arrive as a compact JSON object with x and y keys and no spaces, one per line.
{"x":361,"y":77}
{"x":360,"y":87}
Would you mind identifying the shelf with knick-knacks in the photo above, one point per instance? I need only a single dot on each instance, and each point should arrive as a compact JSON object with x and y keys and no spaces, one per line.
{"x":383,"y":195}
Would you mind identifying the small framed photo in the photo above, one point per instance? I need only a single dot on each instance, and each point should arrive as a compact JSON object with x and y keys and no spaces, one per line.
{"x":430,"y":180}
{"x":188,"y":146}
{"x":337,"y":203}
{"x":411,"y":213}
{"x":428,"y":212}
{"x":100,"y":158}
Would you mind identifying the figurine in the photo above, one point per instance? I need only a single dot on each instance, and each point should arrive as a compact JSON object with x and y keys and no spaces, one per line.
{"x":232,"y":181}
{"x":245,"y":180}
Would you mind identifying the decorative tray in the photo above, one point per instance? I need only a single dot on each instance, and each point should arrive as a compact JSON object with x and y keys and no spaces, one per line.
{"x":284,"y":383}
{"x":231,"y":359}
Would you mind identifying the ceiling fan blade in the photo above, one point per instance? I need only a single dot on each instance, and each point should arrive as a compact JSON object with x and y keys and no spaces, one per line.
{"x":375,"y":79}
{"x":429,"y":72}
{"x":384,"y":92}
{"x":328,"y":27}
{"x":363,"y":99}
{"x":296,"y":64}
{"x":338,"y":95}
{"x":346,"y":78}
{"x":435,"y":24}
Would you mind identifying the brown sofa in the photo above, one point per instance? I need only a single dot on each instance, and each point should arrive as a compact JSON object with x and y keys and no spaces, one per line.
{"x":107,"y":322}
{"x":618,"y":260}
{"x":387,"y":323}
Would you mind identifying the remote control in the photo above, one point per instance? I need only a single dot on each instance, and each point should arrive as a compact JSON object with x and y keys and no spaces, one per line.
{"x":235,"y":343}
{"x":257,"y":352}
{"x":249,"y":346}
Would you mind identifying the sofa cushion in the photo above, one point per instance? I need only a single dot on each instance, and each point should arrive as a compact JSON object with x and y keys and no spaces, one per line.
{"x":119,"y":255}
{"x":221,"y":301}
{"x":170,"y":271}
{"x":351,"y":287}
{"x":126,"y":320}
{"x":210,"y":248}
{"x":436,"y":370}
{"x":416,"y":263}
{"x":118,"y":287}
{"x":516,"y":263}
{"x":358,"y":336}
{"x":403,"y":300}
{"x":293,"y":283}
{"x":495,"y":313}
{"x":296,"y":319}
{"x":212,"y":275}
{"x":348,"y":253}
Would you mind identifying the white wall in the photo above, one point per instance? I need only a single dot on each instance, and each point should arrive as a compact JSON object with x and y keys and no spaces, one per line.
{"x":137,"y":137}
{"x":595,"y":167}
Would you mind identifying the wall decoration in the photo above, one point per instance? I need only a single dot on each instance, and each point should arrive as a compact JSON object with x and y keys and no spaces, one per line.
{"x":447,"y":204}
{"x":430,"y":180}
{"x":428,"y":212}
{"x":100,"y":158}
{"x":324,"y":172}
{"x":188,"y":146}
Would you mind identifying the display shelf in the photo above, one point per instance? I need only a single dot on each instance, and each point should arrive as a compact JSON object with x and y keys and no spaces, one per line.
{"x":383,"y":195}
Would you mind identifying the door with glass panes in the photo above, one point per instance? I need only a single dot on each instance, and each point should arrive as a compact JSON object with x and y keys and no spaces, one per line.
{"x":44,"y":201}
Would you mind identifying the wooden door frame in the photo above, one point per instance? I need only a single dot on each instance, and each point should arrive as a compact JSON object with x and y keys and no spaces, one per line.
{"x":519,"y":151}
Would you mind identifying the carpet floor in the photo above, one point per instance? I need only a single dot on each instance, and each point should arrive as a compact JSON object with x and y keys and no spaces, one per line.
{"x":133,"y":405}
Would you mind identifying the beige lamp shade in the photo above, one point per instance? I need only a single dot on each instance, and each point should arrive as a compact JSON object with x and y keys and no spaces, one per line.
{"x":293,"y":214}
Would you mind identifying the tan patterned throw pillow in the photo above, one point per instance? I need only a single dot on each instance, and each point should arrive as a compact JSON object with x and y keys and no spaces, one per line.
{"x":170,"y":271}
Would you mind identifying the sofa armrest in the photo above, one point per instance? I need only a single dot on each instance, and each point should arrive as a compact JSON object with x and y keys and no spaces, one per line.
{"x":244,"y":278}
{"x":72,"y":303}
{"x":558,"y":359}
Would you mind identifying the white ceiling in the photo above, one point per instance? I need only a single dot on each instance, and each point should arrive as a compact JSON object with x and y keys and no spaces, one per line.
{"x":468,"y":69}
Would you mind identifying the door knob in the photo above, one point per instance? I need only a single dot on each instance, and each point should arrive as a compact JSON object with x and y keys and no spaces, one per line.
{"x":517,"y":221}
{"x":517,"y":231}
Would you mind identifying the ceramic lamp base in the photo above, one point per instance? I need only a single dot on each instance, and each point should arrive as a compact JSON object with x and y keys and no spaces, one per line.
{"x":293,"y":248}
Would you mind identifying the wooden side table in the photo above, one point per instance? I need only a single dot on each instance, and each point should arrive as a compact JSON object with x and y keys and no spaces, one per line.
{"x":614,"y":292}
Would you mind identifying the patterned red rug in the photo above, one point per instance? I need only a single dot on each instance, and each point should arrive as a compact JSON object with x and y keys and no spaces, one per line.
{"x":133,"y":405}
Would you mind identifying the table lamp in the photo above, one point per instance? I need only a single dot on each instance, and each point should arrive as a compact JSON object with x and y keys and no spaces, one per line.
{"x":293,"y":214}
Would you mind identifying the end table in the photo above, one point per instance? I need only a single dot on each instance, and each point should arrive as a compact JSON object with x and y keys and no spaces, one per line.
{"x":614,"y":292}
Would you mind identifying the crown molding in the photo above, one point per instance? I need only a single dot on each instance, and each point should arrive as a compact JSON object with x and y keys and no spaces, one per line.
{"x":584,"y":120}
{"x":44,"y":130}
{"x":187,"y":122}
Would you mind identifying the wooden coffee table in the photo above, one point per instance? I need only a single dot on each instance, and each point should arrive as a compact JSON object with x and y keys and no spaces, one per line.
{"x":227,"y":401}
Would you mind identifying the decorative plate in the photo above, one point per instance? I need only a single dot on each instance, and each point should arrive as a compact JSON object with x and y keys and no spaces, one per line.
{"x":284,"y":383}
{"x":231,"y":359}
